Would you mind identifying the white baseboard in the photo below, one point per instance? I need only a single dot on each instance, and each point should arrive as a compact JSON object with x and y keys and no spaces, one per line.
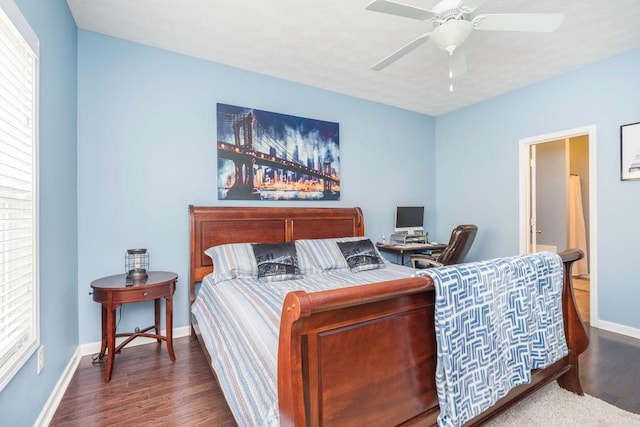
{"x":49,"y":409}
{"x":617,"y":328}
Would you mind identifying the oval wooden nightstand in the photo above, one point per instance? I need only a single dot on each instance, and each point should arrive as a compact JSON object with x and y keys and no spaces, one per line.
{"x":113,"y":291}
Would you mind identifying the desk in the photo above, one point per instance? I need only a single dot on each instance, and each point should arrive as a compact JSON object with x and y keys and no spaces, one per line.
{"x":113,"y":291}
{"x":409,"y":249}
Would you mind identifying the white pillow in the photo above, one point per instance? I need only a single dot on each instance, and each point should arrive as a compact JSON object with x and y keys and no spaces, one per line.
{"x":233,"y":260}
{"x":318,"y":255}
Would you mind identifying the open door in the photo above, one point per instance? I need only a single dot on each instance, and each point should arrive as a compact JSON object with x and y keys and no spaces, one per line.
{"x":548,"y":165}
{"x":546,"y":207}
{"x":532,"y":238}
{"x":550,"y":162}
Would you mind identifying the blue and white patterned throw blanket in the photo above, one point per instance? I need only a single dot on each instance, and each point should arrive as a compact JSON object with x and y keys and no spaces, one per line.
{"x":495,"y":322}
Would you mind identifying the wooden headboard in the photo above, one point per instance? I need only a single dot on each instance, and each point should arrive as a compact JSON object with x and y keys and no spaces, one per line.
{"x":211,"y":226}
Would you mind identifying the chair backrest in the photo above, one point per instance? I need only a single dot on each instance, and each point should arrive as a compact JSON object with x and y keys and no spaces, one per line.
{"x":461,"y":240}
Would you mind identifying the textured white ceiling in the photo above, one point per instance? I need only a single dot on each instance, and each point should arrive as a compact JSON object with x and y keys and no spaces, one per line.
{"x":332,"y":44}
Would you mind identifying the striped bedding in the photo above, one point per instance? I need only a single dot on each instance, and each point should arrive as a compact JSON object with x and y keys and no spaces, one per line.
{"x":239,"y":320}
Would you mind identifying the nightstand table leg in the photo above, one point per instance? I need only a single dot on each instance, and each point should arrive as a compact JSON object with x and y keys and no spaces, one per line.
{"x":103,"y":345}
{"x":111,"y":341}
{"x":156,"y":304}
{"x":168,"y":304}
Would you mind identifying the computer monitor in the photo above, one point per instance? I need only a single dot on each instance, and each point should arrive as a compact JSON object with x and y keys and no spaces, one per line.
{"x":409,"y":219}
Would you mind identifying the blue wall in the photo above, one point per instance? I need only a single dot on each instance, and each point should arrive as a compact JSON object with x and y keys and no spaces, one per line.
{"x":23,"y":398}
{"x":477,"y":161}
{"x":147,"y":149}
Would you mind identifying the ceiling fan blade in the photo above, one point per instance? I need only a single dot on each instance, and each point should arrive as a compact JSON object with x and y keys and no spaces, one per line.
{"x":536,"y":22}
{"x":457,"y":63}
{"x":400,"y":9}
{"x":401,"y":52}
{"x":473,"y":4}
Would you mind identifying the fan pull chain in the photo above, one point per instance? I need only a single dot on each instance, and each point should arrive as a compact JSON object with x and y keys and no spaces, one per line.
{"x":450,"y":50}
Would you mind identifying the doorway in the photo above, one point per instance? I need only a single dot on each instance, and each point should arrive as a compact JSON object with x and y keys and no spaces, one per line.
{"x":558,"y":202}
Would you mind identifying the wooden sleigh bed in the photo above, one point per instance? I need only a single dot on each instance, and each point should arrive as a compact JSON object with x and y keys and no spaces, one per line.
{"x":384,"y":332}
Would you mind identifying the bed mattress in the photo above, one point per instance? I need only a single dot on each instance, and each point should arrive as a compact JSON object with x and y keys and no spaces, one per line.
{"x":239,"y":320}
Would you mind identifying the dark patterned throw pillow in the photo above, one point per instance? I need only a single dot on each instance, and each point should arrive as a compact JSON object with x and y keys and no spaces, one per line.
{"x":361,"y":255}
{"x":276,"y":261}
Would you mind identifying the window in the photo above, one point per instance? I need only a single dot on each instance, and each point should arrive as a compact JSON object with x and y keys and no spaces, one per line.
{"x":19,"y":322}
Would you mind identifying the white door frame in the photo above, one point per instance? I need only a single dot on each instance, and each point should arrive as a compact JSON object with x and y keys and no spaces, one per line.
{"x":525,"y":197}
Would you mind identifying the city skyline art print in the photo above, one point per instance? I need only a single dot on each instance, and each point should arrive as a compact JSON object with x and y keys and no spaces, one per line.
{"x":264,"y":155}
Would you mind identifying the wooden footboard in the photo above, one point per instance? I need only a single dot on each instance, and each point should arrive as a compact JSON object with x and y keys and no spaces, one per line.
{"x":367,"y":354}
{"x":342,"y":363}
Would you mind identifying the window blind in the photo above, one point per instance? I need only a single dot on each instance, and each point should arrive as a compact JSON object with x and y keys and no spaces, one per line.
{"x":19,"y":323}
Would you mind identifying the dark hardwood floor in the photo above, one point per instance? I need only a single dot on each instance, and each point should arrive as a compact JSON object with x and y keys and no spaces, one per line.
{"x":147,"y":389}
{"x":610,"y":369}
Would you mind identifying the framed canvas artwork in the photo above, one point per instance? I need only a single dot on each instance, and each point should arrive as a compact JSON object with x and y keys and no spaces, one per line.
{"x":271,"y":156}
{"x":630,"y":152}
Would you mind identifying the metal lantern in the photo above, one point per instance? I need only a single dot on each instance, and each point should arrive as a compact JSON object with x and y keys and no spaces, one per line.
{"x":136,"y":264}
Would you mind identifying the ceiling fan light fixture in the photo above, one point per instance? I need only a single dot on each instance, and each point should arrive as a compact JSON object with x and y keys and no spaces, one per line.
{"x":453,"y":21}
{"x":451,"y":34}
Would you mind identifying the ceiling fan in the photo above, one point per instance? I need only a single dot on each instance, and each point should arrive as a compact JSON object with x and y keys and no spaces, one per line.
{"x":453,"y":21}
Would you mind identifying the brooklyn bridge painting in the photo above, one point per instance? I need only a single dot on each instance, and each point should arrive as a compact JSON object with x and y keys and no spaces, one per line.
{"x":271,"y":156}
